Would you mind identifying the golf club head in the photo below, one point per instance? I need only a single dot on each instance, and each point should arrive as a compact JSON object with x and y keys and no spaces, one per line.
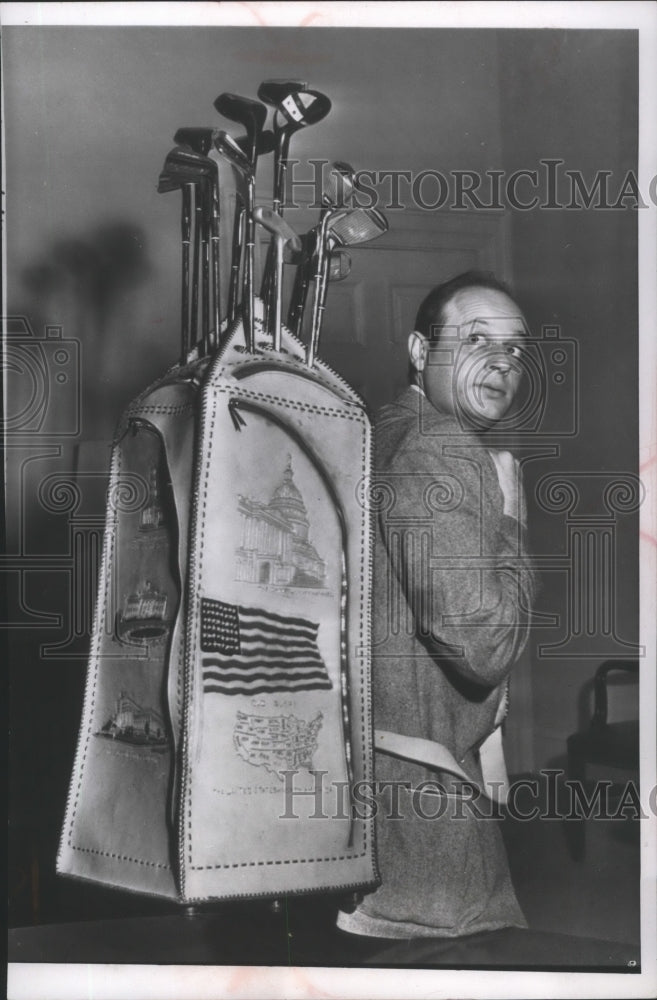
{"x":266,"y":143}
{"x":277,"y":226}
{"x":339,"y":265}
{"x":184,"y":159}
{"x":296,"y":255}
{"x":339,"y":185}
{"x":272,"y":92}
{"x":226,"y":145}
{"x":178,"y":170}
{"x":251,"y":114}
{"x":199,"y":139}
{"x":300,"y":108}
{"x":170,"y":182}
{"x":360,"y":225}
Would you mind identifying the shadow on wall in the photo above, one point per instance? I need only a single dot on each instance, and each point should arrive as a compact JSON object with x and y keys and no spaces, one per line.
{"x":68,"y":385}
{"x":86,"y":284}
{"x":92,"y":271}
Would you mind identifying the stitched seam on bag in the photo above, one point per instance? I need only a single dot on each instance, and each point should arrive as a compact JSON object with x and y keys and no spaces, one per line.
{"x":227,"y":372}
{"x":364,"y":545}
{"x":316,"y":409}
{"x":101,"y":615}
{"x":238,"y":391}
{"x":284,"y":861}
{"x":195,"y":624}
{"x":120,"y":857}
{"x":159,"y":408}
{"x":298,"y":892}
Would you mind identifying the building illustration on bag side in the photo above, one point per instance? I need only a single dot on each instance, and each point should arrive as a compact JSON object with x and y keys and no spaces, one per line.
{"x":275,"y":548}
{"x":131,"y":723}
{"x":152,"y":515}
{"x":143,"y":616}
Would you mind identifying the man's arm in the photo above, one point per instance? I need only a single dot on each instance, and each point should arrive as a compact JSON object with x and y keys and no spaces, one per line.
{"x":455,"y":556}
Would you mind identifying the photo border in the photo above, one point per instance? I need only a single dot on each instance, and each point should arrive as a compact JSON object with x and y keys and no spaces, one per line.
{"x":198,"y":982}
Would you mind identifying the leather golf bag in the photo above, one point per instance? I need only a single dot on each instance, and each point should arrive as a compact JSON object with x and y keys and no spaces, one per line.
{"x":226,"y":718}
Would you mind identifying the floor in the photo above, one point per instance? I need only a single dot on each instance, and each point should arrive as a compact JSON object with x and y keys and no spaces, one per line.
{"x":596,"y":897}
{"x":573,"y":908}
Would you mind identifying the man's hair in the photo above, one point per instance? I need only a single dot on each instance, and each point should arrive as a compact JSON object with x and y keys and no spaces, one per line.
{"x":432,"y":310}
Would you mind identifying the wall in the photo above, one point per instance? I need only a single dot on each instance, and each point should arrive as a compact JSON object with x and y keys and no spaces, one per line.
{"x":573,"y":96}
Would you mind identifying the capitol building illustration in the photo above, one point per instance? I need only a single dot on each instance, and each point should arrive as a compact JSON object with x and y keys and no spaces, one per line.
{"x":275,"y":548}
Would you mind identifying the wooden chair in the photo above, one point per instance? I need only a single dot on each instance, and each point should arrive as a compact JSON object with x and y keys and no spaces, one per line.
{"x":603,"y":743}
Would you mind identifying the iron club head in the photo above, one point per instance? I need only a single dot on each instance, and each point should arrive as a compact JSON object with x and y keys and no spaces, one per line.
{"x":278,"y":227}
{"x":357,"y":225}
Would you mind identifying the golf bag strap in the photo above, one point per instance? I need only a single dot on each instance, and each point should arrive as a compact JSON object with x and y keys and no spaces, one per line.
{"x":495,"y":779}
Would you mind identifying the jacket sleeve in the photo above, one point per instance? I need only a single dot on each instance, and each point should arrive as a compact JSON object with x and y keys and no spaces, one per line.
{"x":457,"y":562}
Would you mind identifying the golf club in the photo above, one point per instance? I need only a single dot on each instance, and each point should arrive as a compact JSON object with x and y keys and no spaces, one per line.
{"x":185,"y":159}
{"x":228,"y":148}
{"x":299,"y":292}
{"x":339,"y":268}
{"x":251,"y":114}
{"x":272,"y":92}
{"x":344,"y":228}
{"x":281,"y":233}
{"x":359,"y":225}
{"x":337,"y":192}
{"x":183,"y":166}
{"x":236,"y":256}
{"x":339,"y":187}
{"x":294,"y":110}
{"x":168,"y":182}
{"x":339,"y":264}
{"x":201,"y":140}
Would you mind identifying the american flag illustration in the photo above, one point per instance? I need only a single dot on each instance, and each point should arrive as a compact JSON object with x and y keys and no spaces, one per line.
{"x":253,"y":651}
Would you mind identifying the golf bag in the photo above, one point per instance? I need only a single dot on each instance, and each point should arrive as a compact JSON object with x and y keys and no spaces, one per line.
{"x":226,"y":718}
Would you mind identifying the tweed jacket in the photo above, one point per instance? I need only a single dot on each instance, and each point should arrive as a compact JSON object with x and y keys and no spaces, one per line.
{"x":453,"y":592}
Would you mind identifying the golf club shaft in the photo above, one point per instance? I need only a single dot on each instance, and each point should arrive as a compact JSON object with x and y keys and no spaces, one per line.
{"x":195,"y":264}
{"x":186,"y":232}
{"x":277,"y":291}
{"x":300,"y":289}
{"x":216,"y":270}
{"x":248,"y":293}
{"x":205,"y":265}
{"x":319,"y":291}
{"x":281,"y":153}
{"x":235,"y":259}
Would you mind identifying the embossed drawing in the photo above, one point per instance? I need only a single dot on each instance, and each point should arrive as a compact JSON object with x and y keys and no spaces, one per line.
{"x":133,"y":724}
{"x":275,"y":547}
{"x":276,"y":742}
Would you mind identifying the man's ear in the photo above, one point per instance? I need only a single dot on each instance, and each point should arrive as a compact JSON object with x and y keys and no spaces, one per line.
{"x":417,"y":350}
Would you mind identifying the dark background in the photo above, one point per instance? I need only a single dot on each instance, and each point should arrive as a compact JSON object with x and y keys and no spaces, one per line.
{"x":91,"y":247}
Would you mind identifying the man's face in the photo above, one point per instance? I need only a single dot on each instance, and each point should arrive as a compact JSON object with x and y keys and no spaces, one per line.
{"x":472,"y":363}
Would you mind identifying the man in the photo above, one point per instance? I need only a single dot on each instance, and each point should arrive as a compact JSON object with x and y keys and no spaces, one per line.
{"x":452,"y":597}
